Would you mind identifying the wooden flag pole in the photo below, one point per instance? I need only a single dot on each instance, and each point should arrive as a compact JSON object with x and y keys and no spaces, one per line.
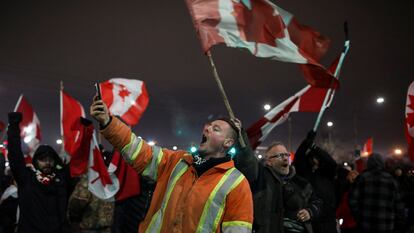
{"x":330,"y":92}
{"x":61,"y":117}
{"x":223,"y":95}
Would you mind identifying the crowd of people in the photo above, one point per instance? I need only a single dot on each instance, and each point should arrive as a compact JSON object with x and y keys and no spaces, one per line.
{"x":209,"y":191}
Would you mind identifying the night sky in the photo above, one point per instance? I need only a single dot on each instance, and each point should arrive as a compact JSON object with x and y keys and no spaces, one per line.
{"x":81,"y":42}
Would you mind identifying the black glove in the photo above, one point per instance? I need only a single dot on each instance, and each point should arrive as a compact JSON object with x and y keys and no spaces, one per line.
{"x":15,"y":118}
{"x":310,"y":137}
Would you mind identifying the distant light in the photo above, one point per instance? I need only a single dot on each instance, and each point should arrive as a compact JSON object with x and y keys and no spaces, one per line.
{"x":6,"y":164}
{"x":329,"y":124}
{"x":267,"y":107}
{"x":151,"y":143}
{"x":27,"y":139}
{"x":380,"y":100}
{"x":345,"y":164}
{"x":59,"y":141}
{"x":193,"y":149}
{"x":175,"y":147}
{"x":260,"y":156}
{"x":398,"y":151}
{"x":341,"y":221}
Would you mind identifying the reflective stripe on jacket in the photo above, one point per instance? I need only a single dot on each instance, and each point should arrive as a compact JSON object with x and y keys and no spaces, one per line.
{"x":219,"y":200}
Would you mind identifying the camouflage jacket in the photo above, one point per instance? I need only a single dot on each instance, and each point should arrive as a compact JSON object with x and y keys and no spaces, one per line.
{"x":88,"y":211}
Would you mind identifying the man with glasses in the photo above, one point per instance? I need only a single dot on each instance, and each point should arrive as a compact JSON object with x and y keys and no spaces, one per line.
{"x":283,"y":201}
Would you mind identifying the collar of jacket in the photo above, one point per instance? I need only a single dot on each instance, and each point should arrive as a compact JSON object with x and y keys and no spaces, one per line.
{"x":280,"y":178}
{"x":188,"y":158}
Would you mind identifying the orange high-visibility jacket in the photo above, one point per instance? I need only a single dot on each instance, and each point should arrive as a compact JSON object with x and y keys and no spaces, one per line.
{"x":219,"y":200}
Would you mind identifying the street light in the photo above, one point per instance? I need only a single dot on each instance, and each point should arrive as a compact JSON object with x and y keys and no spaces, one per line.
{"x":267,"y":107}
{"x":398,"y":151}
{"x":59,"y":141}
{"x":151,"y":143}
{"x":260,"y":156}
{"x":380,"y":100}
{"x":329,"y":124}
{"x":175,"y":147}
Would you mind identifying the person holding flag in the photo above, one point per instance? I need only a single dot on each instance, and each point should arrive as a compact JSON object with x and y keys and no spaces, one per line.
{"x":204,"y":193}
{"x":42,"y":188}
{"x":283,"y":201}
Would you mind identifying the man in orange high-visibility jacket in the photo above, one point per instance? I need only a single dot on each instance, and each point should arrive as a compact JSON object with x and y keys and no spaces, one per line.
{"x":207,"y":194}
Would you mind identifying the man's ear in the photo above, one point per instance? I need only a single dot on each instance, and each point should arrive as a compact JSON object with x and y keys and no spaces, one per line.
{"x":228,"y":142}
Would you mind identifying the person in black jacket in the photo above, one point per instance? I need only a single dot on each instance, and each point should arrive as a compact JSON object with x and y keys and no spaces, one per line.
{"x":283,"y":201}
{"x":319,"y":168}
{"x":42,"y":189}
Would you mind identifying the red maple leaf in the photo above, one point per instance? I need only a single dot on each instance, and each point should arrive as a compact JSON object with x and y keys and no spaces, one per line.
{"x":258,"y":24}
{"x":100,"y":168}
{"x":411,"y":105}
{"x":410,"y":119}
{"x":123,"y":92}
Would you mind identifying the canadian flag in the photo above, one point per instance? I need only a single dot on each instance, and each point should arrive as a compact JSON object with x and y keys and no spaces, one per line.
{"x":102,"y":181}
{"x":127,"y":98}
{"x":129,"y":179}
{"x":368,"y":147}
{"x":309,"y":99}
{"x":30,"y":125}
{"x":74,"y":132}
{"x":409,"y":119}
{"x":265,"y":30}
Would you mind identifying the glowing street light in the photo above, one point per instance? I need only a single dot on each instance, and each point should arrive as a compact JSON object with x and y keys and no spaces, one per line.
{"x":151,"y":143}
{"x":260,"y":156}
{"x":329,"y":124}
{"x":59,"y":141}
{"x":267,"y":107}
{"x":398,"y":151}
{"x":175,"y":147}
{"x":380,"y":100}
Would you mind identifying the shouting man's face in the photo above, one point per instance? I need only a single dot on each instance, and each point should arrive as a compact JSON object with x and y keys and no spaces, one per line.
{"x":217,"y":139}
{"x":278,"y":158}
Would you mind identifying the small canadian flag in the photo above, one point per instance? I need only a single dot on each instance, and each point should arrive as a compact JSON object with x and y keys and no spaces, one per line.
{"x":368,"y":147}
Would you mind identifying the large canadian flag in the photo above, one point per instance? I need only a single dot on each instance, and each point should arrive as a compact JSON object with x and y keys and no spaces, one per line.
{"x":265,"y":30}
{"x":127,"y":98}
{"x":309,"y":99}
{"x":30,"y":125}
{"x":74,"y":133}
{"x":409,"y":119}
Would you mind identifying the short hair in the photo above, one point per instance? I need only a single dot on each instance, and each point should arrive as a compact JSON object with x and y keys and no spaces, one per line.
{"x":234,"y":131}
{"x":277,"y":143}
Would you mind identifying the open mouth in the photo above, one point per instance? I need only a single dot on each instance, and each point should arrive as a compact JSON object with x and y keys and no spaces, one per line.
{"x":203,"y":139}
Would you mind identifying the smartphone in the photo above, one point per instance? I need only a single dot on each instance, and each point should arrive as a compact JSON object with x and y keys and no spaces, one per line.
{"x":98,"y":90}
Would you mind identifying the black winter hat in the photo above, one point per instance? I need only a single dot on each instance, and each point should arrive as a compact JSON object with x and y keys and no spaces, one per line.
{"x":46,"y":151}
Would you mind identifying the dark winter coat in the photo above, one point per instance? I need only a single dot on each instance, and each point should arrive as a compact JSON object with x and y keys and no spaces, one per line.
{"x":42,"y":207}
{"x":267,"y":188}
{"x":322,"y":180}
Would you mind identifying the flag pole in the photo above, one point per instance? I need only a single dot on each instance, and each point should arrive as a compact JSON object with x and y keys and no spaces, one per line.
{"x":223,"y":94}
{"x":330,"y":92}
{"x":62,"y":148}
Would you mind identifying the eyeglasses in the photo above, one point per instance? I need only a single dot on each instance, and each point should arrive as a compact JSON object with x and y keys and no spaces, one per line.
{"x":280,"y":155}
